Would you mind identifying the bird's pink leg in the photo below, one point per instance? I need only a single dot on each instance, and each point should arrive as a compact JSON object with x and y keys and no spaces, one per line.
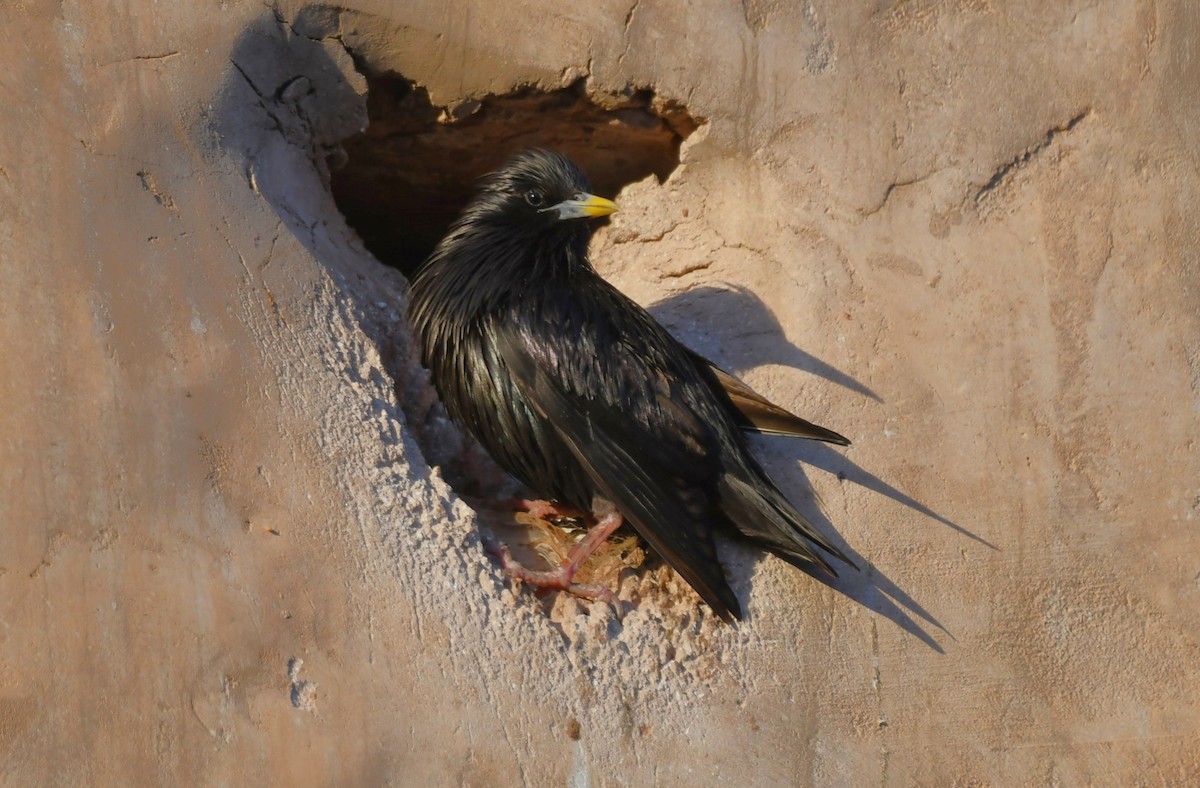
{"x":563,"y":577}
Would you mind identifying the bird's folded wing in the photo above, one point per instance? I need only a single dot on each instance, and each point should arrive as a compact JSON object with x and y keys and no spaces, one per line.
{"x":649,"y":455}
{"x":758,"y":414}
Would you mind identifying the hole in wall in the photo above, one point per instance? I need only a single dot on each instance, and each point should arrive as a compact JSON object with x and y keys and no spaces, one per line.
{"x":417,"y":164}
{"x":409,"y":174}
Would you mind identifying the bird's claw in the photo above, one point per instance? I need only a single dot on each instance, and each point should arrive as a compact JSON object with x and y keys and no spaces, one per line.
{"x":560,"y":579}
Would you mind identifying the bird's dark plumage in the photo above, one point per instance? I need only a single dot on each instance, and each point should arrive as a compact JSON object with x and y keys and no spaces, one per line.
{"x":579,"y":393}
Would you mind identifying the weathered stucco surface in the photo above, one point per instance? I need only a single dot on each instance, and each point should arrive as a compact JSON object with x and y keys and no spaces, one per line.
{"x":225,"y":559}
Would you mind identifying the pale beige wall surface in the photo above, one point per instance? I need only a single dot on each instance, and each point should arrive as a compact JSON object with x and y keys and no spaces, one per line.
{"x":224,"y":558}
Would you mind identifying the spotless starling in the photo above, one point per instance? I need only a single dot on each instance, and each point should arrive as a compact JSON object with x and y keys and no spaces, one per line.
{"x":581,"y":395}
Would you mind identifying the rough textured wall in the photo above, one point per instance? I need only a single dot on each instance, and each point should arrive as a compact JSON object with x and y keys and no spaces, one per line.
{"x":961,"y":233}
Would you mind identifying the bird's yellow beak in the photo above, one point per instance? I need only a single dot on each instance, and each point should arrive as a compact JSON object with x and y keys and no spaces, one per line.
{"x":584,"y":206}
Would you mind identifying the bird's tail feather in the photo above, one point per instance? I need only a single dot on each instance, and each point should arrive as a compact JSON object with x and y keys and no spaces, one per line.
{"x":761,"y":513}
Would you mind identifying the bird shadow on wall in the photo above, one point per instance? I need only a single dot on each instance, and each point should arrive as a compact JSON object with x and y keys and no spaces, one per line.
{"x":756,"y":339}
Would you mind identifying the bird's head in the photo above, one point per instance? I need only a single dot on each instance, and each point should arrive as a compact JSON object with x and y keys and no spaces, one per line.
{"x":539,"y":191}
{"x":522,"y":226}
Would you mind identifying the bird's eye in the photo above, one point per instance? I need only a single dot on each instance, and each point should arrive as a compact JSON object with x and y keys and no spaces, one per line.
{"x":535,"y":198}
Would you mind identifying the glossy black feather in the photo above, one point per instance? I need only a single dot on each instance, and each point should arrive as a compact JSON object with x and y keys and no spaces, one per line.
{"x":579,"y":393}
{"x":755,"y":413}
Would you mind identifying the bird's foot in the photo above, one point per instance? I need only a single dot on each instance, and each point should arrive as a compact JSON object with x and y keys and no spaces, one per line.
{"x":560,"y":579}
{"x":563,"y":578}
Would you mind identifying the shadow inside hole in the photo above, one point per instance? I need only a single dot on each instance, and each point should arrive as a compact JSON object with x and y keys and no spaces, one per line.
{"x":416,"y":165}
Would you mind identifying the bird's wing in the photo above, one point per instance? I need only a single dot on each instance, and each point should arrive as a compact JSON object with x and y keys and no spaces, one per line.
{"x":619,"y":412}
{"x":755,"y":413}
{"x":749,"y":498}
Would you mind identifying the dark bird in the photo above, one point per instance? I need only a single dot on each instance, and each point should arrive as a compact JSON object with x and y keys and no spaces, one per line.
{"x":581,"y":395}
